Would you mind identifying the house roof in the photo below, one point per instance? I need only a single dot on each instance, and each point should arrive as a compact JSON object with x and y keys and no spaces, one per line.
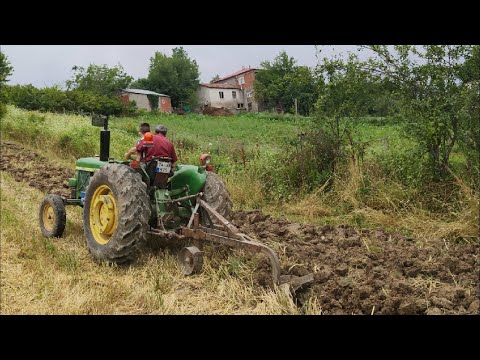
{"x":221,"y":86}
{"x":239,"y":72}
{"x":144,"y":92}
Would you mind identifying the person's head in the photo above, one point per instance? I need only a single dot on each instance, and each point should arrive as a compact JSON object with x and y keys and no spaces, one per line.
{"x":143,"y":128}
{"x":161,"y":129}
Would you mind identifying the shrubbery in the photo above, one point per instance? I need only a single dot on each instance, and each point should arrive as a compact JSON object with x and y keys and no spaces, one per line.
{"x":53,"y":99}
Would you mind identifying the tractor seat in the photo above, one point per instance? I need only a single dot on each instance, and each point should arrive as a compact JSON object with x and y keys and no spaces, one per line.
{"x":159,"y":169}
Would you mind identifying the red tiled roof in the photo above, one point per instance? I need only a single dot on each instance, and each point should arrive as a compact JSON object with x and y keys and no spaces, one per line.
{"x":236,"y":73}
{"x":221,"y":86}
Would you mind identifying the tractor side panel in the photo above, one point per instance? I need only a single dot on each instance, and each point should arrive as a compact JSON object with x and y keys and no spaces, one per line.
{"x":85,"y":168}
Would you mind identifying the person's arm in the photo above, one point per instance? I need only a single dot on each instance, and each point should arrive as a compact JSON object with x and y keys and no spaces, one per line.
{"x":139,"y":149}
{"x":138,"y":156}
{"x":130,"y":152}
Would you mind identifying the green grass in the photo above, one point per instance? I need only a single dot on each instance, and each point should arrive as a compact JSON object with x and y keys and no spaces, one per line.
{"x":73,"y":135}
{"x":253,"y":154}
{"x":221,"y":131}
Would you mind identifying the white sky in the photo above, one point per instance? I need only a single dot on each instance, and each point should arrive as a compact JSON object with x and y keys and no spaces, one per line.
{"x":47,"y":65}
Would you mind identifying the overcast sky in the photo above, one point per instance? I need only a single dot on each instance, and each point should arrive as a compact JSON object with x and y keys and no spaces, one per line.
{"x":46,"y":65}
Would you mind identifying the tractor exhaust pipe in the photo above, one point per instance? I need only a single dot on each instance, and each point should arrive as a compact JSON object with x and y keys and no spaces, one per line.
{"x":102,"y":121}
{"x":104,"y":145}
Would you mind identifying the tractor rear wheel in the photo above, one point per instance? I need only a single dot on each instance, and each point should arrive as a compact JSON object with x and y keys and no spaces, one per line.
{"x":52,"y":216}
{"x":217,"y":196}
{"x":116,"y":214}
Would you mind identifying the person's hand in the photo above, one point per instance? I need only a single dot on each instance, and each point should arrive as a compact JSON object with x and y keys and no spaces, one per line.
{"x":127,"y":156}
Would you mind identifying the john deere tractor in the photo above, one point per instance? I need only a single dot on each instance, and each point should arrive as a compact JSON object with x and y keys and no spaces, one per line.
{"x":126,"y":203}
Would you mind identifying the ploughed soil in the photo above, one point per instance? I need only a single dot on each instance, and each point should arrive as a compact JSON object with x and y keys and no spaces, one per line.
{"x":356,"y":271}
{"x":370,"y":270}
{"x":34,"y":169}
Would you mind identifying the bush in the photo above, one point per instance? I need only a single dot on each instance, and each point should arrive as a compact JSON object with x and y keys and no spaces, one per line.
{"x":55,"y":100}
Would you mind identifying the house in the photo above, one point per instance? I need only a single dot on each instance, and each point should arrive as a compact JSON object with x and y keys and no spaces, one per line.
{"x":141,"y":98}
{"x":221,"y":96}
{"x":234,"y":92}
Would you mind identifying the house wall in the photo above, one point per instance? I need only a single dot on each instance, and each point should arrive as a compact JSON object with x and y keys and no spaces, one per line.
{"x":211,"y":97}
{"x":249,"y":78}
{"x":141,"y":100}
{"x":165,"y":104}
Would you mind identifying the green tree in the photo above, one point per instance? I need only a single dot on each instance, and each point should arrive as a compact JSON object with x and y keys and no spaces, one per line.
{"x":428,"y":78}
{"x":141,"y":83}
{"x":5,"y":68}
{"x":176,"y":76}
{"x":5,"y":71}
{"x":99,"y":79}
{"x":279,"y":83}
{"x":470,"y":70}
{"x":215,"y":78}
{"x":347,"y":92}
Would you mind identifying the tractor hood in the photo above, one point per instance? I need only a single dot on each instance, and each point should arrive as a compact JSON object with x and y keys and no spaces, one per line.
{"x":90,"y":164}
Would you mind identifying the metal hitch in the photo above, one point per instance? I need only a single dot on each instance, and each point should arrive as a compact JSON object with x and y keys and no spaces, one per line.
{"x":225,"y":233}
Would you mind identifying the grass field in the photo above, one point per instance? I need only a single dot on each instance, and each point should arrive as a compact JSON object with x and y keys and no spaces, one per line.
{"x":250,"y":152}
{"x":58,"y":276}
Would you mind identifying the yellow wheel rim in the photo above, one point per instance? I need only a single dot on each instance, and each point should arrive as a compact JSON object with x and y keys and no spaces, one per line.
{"x":48,"y":217}
{"x":103,"y":215}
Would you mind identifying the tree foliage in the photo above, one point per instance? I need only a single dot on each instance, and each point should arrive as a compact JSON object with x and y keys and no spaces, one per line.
{"x":176,"y":76}
{"x":280,"y":82}
{"x":55,"y":100}
{"x":99,"y":79}
{"x":5,"y":71}
{"x":434,"y":88}
{"x":429,"y":80}
{"x":5,"y":68}
{"x":215,"y":78}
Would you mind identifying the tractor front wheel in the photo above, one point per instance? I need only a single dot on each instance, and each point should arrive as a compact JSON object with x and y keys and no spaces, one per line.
{"x":116,"y":214}
{"x":52,"y":216}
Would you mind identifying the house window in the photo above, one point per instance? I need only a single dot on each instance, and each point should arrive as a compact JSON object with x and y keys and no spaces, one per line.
{"x":249,"y":94}
{"x":221,"y":94}
{"x":241,"y":80}
{"x":234,"y":94}
{"x":240,"y":106}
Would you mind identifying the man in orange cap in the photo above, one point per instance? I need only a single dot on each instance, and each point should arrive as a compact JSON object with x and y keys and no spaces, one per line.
{"x":142,"y":131}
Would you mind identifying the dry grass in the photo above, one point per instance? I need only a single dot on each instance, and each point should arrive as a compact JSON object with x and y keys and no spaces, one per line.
{"x":42,"y":276}
{"x":387,"y":206}
{"x":245,"y":191}
{"x":347,"y":187}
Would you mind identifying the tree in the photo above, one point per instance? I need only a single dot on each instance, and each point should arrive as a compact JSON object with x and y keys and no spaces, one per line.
{"x":176,"y":76}
{"x":5,"y":68}
{"x":469,"y":140}
{"x":346,"y":93}
{"x":470,"y":70}
{"x":279,"y":83}
{"x":99,"y":79}
{"x":429,"y":80}
{"x":141,"y":83}
{"x":5,"y":71}
{"x":215,"y":78}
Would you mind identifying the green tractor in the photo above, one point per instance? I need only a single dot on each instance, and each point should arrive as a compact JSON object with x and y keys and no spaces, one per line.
{"x":125,"y":204}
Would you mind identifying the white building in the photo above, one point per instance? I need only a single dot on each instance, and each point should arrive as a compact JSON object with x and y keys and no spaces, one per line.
{"x":226,"y":96}
{"x":140,"y":97}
